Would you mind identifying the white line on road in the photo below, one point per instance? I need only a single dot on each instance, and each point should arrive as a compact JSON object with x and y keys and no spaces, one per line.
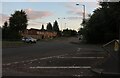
{"x":78,"y":49}
{"x":59,"y":57}
{"x":62,"y":67}
{"x":35,"y":59}
{"x":16,"y":62}
{"x":81,"y":57}
{"x":52,"y":57}
{"x":91,"y":53}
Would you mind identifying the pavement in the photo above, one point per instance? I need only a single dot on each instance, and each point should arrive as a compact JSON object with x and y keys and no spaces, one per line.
{"x":110,"y":66}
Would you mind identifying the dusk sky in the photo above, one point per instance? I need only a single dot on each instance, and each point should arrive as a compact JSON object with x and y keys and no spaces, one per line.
{"x":45,"y":11}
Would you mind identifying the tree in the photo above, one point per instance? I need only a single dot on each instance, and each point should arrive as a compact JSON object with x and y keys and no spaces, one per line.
{"x":49,"y":27}
{"x":69,"y":33}
{"x":0,"y":33}
{"x":42,"y":27}
{"x":103,"y":24}
{"x":55,"y":26}
{"x":5,"y":25}
{"x":17,"y":24}
{"x":5,"y":30}
{"x":73,"y":32}
{"x":18,"y":21}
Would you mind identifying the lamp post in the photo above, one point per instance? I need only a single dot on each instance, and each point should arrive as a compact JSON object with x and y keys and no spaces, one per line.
{"x":61,"y":22}
{"x":60,"y":25}
{"x":65,"y":25}
{"x":83,"y":11}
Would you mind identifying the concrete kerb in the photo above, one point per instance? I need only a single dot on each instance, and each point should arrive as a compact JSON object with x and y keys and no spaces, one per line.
{"x":100,"y":72}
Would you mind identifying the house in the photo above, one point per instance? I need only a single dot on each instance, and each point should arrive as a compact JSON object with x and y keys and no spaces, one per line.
{"x":39,"y":34}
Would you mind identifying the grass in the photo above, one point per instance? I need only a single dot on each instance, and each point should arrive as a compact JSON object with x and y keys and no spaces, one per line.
{"x":10,"y":44}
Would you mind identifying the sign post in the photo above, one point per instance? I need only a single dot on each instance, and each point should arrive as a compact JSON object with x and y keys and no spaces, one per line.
{"x":116,"y":47}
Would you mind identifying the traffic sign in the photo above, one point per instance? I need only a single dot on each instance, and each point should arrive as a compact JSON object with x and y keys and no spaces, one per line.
{"x":116,"y":47}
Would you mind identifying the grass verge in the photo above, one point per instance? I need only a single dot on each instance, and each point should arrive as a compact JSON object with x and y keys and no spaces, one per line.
{"x":12,"y":44}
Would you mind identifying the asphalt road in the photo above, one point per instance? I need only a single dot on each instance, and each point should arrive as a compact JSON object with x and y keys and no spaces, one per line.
{"x":66,"y":57}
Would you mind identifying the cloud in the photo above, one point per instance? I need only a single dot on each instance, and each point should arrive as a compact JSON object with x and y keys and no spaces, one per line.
{"x":33,"y":15}
{"x":74,"y":18}
{"x":62,"y":0}
{"x":3,"y":18}
{"x":35,"y":24}
{"x":72,"y":9}
{"x":33,"y":0}
{"x":77,"y":10}
{"x":58,"y":0}
{"x":32,"y":22}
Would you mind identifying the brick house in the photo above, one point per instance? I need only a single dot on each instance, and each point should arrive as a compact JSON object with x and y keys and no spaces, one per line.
{"x":39,"y":34}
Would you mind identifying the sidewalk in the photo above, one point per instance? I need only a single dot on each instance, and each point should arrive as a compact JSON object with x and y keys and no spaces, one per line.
{"x":108,"y":68}
{"x":111,"y":66}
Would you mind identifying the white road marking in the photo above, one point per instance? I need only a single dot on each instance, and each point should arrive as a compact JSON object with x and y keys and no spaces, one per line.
{"x":16,"y":62}
{"x":78,"y":75}
{"x":91,"y":53}
{"x":52,"y":57}
{"x":81,"y":57}
{"x":62,"y":67}
{"x":59,"y":56}
{"x":78,"y":49}
{"x":8,"y":64}
{"x":35,"y":59}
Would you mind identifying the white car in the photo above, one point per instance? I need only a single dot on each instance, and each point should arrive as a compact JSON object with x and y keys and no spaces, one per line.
{"x":29,"y":40}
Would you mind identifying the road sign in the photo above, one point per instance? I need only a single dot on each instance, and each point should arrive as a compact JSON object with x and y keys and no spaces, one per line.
{"x":116,"y":47}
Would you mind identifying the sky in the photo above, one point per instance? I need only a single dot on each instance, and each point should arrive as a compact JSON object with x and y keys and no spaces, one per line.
{"x":67,"y":13}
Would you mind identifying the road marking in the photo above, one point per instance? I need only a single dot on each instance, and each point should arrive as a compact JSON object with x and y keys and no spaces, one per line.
{"x":7,"y":64}
{"x":62,"y":67}
{"x":91,"y":53}
{"x":81,"y":57}
{"x":58,"y":56}
{"x":78,"y":49}
{"x":79,"y":75}
{"x":35,"y":59}
{"x":16,"y":62}
{"x":52,"y":57}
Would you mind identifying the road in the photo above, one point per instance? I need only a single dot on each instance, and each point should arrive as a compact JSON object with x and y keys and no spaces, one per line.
{"x":52,"y":58}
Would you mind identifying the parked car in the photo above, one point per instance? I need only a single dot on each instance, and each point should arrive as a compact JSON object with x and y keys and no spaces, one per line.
{"x":29,"y":40}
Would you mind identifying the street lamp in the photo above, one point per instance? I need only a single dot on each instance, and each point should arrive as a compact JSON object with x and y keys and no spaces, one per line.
{"x":83,"y":11}
{"x":61,"y":22}
{"x":65,"y":25}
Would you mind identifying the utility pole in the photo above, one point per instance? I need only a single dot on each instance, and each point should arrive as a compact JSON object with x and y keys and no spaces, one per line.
{"x":61,"y":23}
{"x":83,"y":12}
